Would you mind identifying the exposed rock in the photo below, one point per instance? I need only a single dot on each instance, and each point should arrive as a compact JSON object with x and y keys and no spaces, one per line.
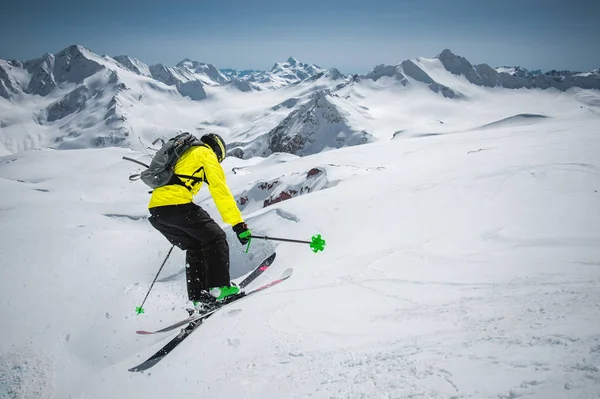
{"x":8,"y":86}
{"x":489,"y":76}
{"x":73,"y":65}
{"x":445,"y":90}
{"x":392,"y":71}
{"x":289,"y":103}
{"x":42,"y":80}
{"x":284,"y":195}
{"x":459,"y":66}
{"x":516,"y":77}
{"x":163,"y":74}
{"x":313,"y":172}
{"x":193,"y":89}
{"x":133,"y":65}
{"x":267,"y":193}
{"x":415,"y":72}
{"x":242,"y":85}
{"x":314,"y":126}
{"x":69,"y":104}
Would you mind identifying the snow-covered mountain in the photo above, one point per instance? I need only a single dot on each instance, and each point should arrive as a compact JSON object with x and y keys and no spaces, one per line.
{"x":41,"y":76}
{"x":134,"y":65}
{"x":484,"y":75}
{"x":281,"y":74}
{"x":70,"y":99}
{"x":185,"y":71}
{"x":78,"y":99}
{"x":207,"y":73}
{"x":408,"y":68}
{"x":320,"y":123}
{"x":293,"y":71}
{"x":481,"y":75}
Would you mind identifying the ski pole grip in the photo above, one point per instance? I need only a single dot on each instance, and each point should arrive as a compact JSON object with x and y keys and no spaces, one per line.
{"x":248,"y":235}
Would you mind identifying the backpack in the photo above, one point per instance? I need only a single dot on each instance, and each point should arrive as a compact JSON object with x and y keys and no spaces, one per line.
{"x":160,"y":171}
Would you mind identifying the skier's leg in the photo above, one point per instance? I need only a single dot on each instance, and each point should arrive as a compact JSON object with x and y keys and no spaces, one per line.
{"x":193,"y":228}
{"x":161,"y":220}
{"x":196,"y":274}
{"x":168,"y":220}
{"x":213,"y":245}
{"x":216,"y":256}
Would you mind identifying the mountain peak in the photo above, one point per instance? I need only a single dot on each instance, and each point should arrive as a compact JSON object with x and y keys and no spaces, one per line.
{"x":132,"y":64}
{"x":447,"y":53}
{"x":458,"y":65}
{"x":334,"y":74}
{"x":317,"y":125}
{"x":190,"y":64}
{"x":207,"y":73}
{"x":73,"y":49}
{"x":294,"y":71}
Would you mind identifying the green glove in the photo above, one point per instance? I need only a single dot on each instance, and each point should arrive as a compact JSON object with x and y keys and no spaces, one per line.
{"x":242,"y":232}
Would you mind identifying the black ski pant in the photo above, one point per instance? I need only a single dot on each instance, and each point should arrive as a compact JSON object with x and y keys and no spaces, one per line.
{"x":190,"y":228}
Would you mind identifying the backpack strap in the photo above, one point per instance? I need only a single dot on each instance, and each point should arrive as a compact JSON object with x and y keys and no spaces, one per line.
{"x":177,"y":178}
{"x":137,"y":175}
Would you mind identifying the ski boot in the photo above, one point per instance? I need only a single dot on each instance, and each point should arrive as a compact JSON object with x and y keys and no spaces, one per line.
{"x":215,"y":297}
{"x":226,"y":292}
{"x":204,"y":304}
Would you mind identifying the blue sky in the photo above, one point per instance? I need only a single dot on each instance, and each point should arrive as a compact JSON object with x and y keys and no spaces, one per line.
{"x":351,"y":35}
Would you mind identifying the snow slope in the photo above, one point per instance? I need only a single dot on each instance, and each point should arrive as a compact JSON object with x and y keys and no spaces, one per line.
{"x":462,"y":261}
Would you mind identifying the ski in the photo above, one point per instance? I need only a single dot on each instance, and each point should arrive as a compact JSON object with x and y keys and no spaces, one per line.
{"x":197,"y":322}
{"x":262,"y":267}
{"x":190,"y":318}
{"x":287,"y":273}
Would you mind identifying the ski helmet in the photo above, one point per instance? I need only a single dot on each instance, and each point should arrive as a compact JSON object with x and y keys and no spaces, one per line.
{"x":217,"y":144}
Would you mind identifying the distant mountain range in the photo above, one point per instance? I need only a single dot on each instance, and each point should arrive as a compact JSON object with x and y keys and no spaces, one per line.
{"x":77,"y":99}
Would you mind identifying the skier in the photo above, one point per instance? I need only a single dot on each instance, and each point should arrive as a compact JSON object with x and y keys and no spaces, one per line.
{"x":189,"y":227}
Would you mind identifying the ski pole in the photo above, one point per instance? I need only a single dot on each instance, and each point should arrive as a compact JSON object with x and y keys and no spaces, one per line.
{"x":139,"y":310}
{"x":317,"y":243}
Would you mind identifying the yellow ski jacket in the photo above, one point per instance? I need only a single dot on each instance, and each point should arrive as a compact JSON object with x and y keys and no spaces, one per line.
{"x":199,"y":161}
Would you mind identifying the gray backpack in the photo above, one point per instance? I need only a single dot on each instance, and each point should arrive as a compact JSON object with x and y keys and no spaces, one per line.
{"x":160,"y":171}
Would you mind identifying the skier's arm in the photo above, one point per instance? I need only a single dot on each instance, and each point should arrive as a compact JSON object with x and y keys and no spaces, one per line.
{"x":220,"y":192}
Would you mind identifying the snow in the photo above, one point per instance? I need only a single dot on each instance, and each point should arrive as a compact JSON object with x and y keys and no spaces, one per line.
{"x":462,"y":257}
{"x":207,"y":73}
{"x":134,"y":65}
{"x":592,"y":73}
{"x":509,"y":70}
{"x":517,"y":71}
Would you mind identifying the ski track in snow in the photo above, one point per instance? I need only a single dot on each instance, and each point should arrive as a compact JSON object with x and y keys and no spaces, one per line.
{"x":519,"y":332}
